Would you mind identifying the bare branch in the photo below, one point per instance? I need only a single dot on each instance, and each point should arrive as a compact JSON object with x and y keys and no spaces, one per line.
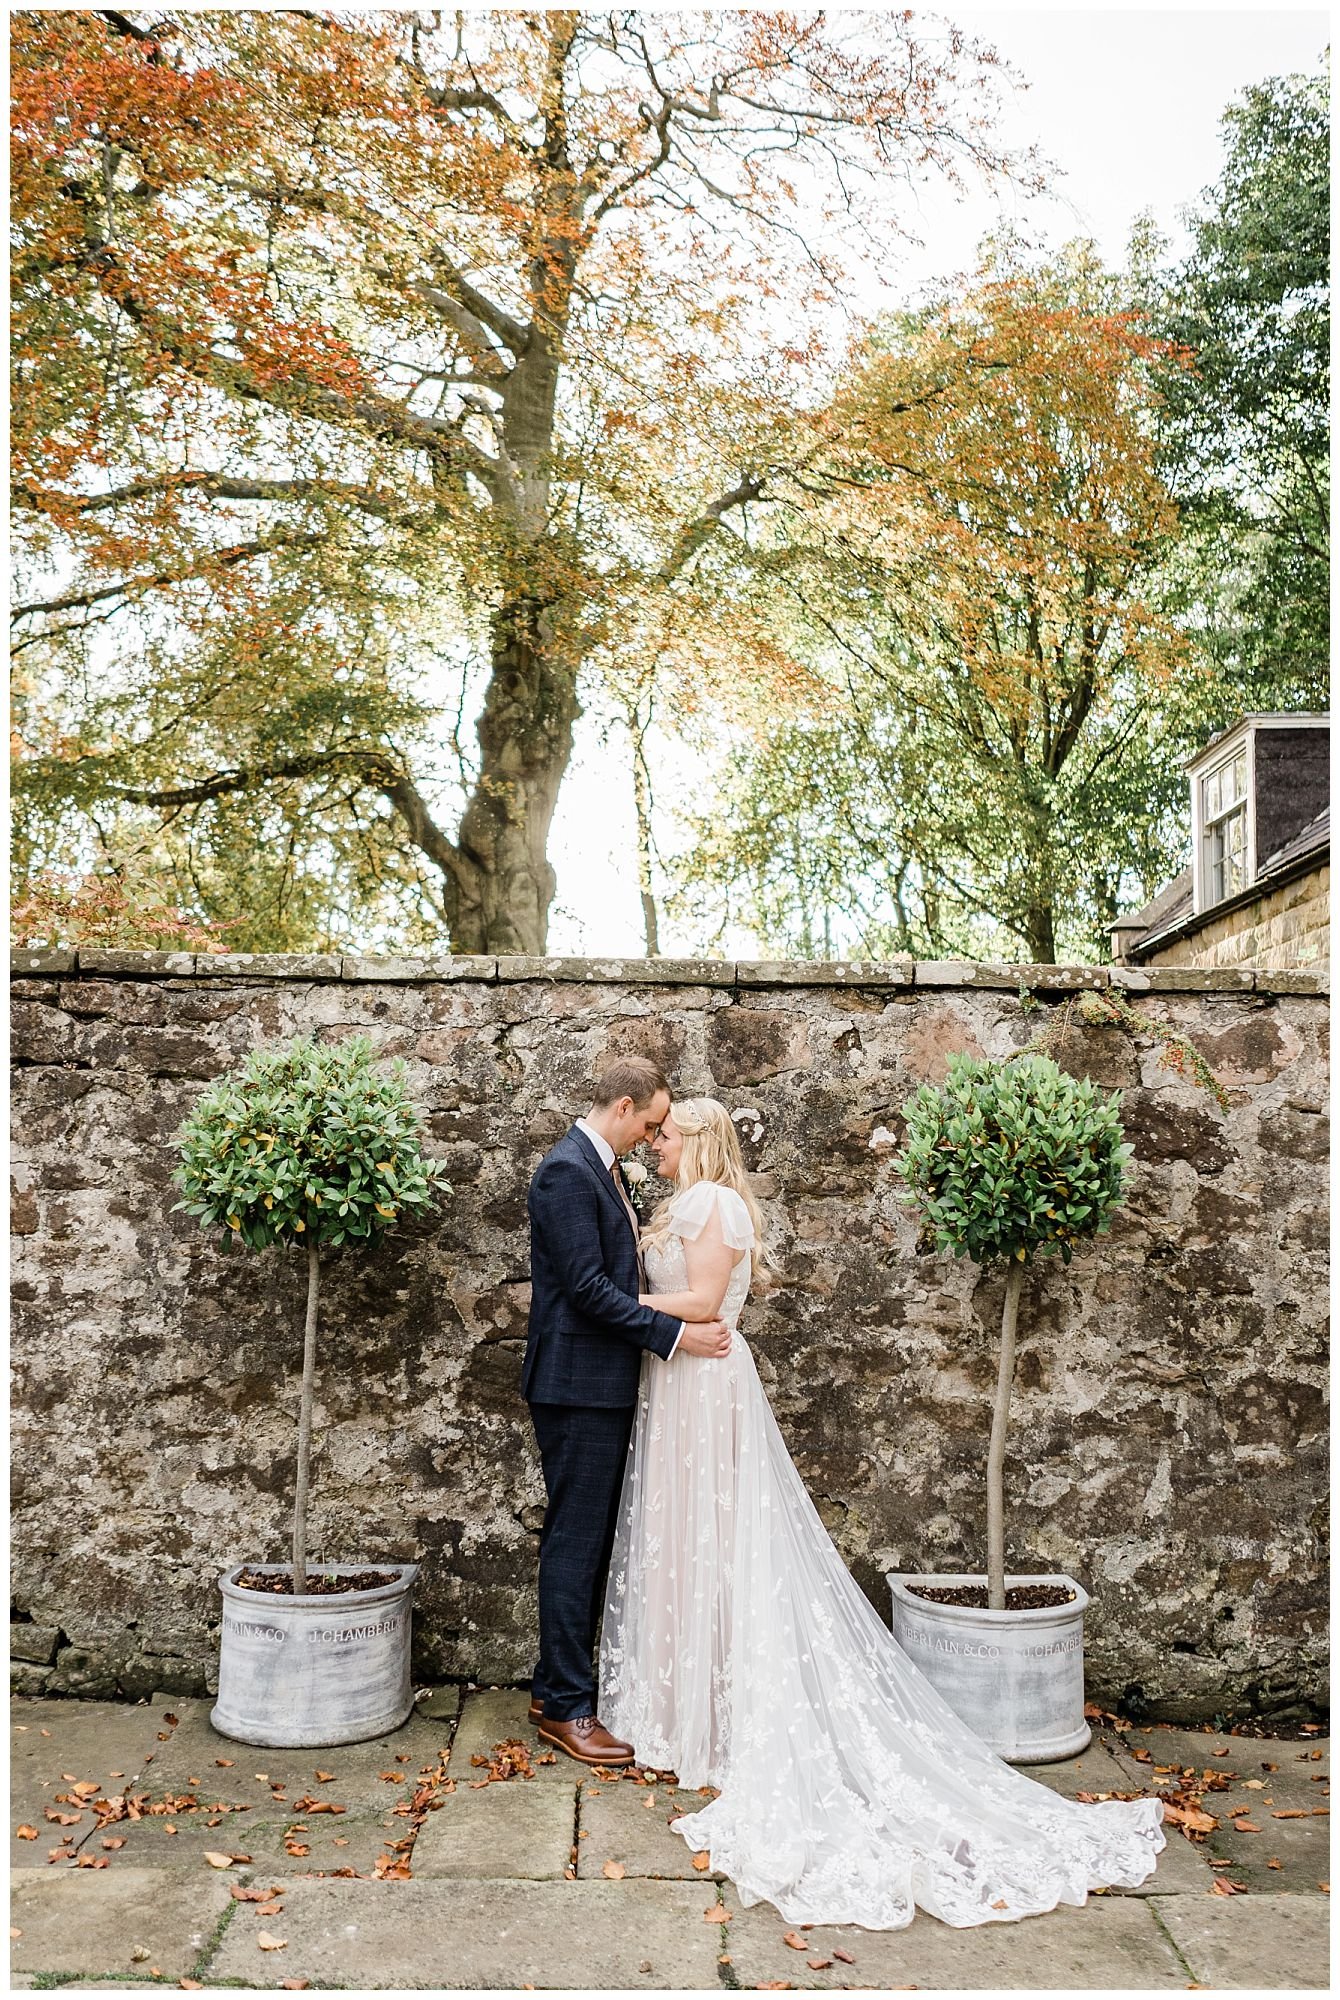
{"x":380,"y":415}
{"x":376,"y":768}
{"x":214,"y":486}
{"x":696,"y":532}
{"x":161,"y":579}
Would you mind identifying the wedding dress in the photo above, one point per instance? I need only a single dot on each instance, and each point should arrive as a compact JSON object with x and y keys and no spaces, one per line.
{"x":738,"y":1652}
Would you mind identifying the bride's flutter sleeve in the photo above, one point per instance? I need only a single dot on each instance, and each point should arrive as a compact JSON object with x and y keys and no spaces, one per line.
{"x":692,"y":1210}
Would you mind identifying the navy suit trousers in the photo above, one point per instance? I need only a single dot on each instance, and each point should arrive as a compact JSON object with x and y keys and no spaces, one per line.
{"x":582,"y":1452}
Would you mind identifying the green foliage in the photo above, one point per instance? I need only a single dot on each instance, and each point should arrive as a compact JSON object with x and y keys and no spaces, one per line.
{"x":987,"y":776}
{"x":1012,"y":1160}
{"x":306,"y":1142}
{"x":1248,"y":429}
{"x":914,"y":815}
{"x":882,"y":831}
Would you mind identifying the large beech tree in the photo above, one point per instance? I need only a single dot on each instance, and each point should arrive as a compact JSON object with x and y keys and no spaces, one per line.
{"x":471,"y":329}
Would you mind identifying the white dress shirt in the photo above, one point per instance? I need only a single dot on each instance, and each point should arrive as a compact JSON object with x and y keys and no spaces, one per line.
{"x":606,"y":1152}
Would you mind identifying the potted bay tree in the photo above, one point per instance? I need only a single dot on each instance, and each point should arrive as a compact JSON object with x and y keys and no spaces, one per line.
{"x":309,"y":1146}
{"x":1007,"y":1162}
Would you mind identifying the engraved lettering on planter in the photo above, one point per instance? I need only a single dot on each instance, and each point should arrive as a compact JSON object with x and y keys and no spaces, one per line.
{"x":1074,"y":1644}
{"x":334,"y":1634}
{"x":958,"y":1648}
{"x":257,"y":1631}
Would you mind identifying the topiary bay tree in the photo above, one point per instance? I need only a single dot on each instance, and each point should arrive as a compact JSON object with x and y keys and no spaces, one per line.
{"x":309,"y":1144}
{"x":1006,"y":1162}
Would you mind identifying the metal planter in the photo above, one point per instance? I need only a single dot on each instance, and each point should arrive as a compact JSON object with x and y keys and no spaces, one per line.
{"x":1015,"y":1677}
{"x":295,"y":1671}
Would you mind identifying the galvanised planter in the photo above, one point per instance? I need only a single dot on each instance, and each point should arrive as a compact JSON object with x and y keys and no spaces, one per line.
{"x":295,"y":1671}
{"x":1015,"y":1677}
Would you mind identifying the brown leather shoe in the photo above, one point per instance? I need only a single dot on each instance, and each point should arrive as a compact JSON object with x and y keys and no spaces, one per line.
{"x":587,"y":1739}
{"x":535,"y":1713}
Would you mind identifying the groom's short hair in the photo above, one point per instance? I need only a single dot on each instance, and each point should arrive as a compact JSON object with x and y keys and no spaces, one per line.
{"x":637,"y":1077}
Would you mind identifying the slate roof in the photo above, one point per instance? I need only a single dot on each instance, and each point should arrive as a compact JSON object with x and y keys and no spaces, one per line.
{"x":1171,"y":909}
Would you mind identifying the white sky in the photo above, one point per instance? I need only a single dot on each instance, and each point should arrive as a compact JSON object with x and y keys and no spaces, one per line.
{"x":1127,"y":102}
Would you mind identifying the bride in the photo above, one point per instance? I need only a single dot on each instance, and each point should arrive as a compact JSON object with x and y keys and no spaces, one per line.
{"x":737,"y":1650}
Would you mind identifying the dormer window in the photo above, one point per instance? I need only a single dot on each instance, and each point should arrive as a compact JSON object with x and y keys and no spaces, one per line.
{"x":1223,"y":818}
{"x":1256,"y":887}
{"x":1254,"y":788}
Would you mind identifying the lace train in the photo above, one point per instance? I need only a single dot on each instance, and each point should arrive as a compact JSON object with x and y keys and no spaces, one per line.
{"x":738,"y":1651}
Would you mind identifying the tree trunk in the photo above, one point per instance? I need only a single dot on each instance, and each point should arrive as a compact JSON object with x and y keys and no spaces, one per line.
{"x":500,"y":898}
{"x":651,"y":929}
{"x":995,"y":1458}
{"x":1040,"y":922}
{"x":305,"y":1422}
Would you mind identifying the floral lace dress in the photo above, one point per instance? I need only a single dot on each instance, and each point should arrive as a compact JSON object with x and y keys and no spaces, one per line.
{"x":737,"y":1651}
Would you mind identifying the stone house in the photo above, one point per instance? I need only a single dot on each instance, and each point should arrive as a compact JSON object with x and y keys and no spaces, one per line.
{"x":1257,"y":888}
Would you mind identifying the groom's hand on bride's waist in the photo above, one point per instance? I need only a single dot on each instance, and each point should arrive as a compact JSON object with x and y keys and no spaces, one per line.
{"x":709,"y":1338}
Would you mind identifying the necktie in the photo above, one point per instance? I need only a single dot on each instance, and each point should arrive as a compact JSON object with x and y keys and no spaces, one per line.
{"x":622,"y":1193}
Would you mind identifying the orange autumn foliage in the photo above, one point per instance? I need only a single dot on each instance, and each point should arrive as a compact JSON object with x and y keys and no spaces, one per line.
{"x":512,"y":312}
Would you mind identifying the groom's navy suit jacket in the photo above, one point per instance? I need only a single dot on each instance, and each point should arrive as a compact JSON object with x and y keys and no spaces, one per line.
{"x":587,"y":1330}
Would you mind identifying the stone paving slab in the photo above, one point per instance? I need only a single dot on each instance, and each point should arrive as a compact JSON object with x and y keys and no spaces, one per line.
{"x":1302,"y":1847}
{"x":80,"y":1922}
{"x":1204,"y":1750}
{"x":1095,"y":1770}
{"x":1112,"y":1942}
{"x":626,"y":1823}
{"x":493,"y":1715}
{"x":443,"y":1704}
{"x":148,"y":1843}
{"x":452,"y":1935}
{"x":105,"y":1742}
{"x":24,"y":1982}
{"x":254,"y":1773}
{"x":1299,"y":1783}
{"x":522,"y":1829}
{"x":1252,"y":1941}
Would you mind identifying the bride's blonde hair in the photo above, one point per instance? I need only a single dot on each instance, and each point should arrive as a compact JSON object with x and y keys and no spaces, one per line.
{"x":711,"y":1152}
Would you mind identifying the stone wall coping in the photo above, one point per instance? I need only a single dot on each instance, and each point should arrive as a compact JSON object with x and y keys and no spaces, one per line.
{"x":751,"y":974}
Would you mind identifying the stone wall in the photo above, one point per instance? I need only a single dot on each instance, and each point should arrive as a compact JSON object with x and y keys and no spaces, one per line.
{"x":1169,"y":1433}
{"x":1288,"y":927}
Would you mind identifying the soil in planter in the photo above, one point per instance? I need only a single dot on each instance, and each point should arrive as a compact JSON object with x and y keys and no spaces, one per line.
{"x":1018,"y":1597}
{"x":319,"y":1584}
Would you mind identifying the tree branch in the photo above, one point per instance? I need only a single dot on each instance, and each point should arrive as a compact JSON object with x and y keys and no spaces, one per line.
{"x":217,"y":558}
{"x":696,"y":532}
{"x":376,"y":768}
{"x":379,"y":415}
{"x":214,"y":486}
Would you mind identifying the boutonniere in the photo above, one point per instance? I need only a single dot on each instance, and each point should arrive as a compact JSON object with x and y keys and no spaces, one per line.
{"x":637,"y":1177}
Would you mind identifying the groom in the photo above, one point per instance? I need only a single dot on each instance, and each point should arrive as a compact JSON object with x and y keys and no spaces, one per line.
{"x":580,"y":1377}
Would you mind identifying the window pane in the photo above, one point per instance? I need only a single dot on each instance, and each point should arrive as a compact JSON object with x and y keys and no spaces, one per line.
{"x":1211,"y":789}
{"x":1240,"y":775}
{"x":1226,"y":856}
